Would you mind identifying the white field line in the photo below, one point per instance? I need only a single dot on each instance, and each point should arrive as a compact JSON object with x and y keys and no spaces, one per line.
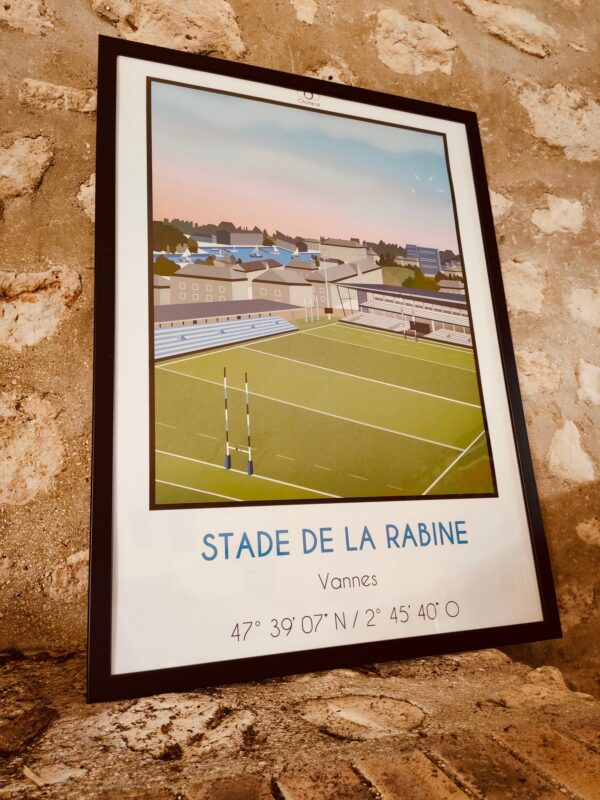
{"x":241,"y":472}
{"x":368,"y":380}
{"x":456,"y":460}
{"x":367,"y":329}
{"x":318,"y":466}
{"x":391,"y":352}
{"x":358,"y":477}
{"x":318,"y":411}
{"x":165,"y":425}
{"x":287,"y":458}
{"x":206,"y":436}
{"x":200,"y":491}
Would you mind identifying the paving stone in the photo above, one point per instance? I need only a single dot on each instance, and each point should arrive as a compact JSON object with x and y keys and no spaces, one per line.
{"x":331,"y":781}
{"x":246,"y":787}
{"x":408,"y":776}
{"x":488,"y":769}
{"x":571,"y":764}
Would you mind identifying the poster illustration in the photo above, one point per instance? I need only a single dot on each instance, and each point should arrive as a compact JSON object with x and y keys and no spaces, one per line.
{"x":296,"y":367}
{"x":309,"y":446}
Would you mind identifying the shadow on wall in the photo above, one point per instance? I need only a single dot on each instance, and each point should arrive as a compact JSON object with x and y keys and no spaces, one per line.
{"x":575,"y":556}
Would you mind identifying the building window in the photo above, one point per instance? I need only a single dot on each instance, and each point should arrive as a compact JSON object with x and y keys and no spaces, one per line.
{"x":263,"y":291}
{"x":182,"y":284}
{"x":195,"y":287}
{"x":222,"y":299}
{"x":208,"y":298}
{"x":222,"y":289}
{"x":208,"y":287}
{"x":182,"y":295}
{"x":277,"y":292}
{"x":195,"y":297}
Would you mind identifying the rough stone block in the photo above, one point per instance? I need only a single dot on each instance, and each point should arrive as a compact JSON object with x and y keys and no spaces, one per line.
{"x":363,"y":716}
{"x":209,"y":27}
{"x":17,"y":733}
{"x":22,"y":165}
{"x":50,"y":97}
{"x":566,"y":457}
{"x":30,"y":16}
{"x":516,"y":26}
{"x":412,"y":47}
{"x":31,"y":448}
{"x":33,"y":304}
{"x":565,"y":118}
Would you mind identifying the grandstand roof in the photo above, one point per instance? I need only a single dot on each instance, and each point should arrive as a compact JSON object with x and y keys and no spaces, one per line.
{"x":343,"y":243}
{"x":301,"y":263}
{"x":404,"y":291}
{"x":223,"y":273}
{"x":251,"y":266}
{"x":180,"y":311}
{"x":451,"y":285}
{"x":335,"y":272}
{"x":365,"y":265}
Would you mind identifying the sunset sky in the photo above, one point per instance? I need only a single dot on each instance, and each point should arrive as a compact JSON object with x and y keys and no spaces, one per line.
{"x":218,"y":157}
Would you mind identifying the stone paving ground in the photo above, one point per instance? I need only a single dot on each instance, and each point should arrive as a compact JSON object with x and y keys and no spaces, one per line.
{"x":476,"y":725}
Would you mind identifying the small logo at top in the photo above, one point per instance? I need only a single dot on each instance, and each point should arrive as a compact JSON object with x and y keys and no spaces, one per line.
{"x":309,"y":99}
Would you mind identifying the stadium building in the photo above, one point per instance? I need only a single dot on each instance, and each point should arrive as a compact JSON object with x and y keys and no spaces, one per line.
{"x":161,"y":290}
{"x":343,"y":249}
{"x":206,"y":283}
{"x":418,"y":313}
{"x":427,"y":258}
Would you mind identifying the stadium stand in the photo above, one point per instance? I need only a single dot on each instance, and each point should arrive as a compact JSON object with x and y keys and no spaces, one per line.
{"x":192,"y":338}
{"x":376,"y":321}
{"x":452,"y":337}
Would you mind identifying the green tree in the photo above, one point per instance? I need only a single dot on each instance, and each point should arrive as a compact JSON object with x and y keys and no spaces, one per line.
{"x":210,"y":260}
{"x":166,"y":237}
{"x":164,"y":266}
{"x":420,"y":281}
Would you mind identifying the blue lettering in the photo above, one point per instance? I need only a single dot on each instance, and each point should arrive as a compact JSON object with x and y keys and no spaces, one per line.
{"x":208,"y":540}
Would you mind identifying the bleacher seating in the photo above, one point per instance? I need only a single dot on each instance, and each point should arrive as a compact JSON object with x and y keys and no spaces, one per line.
{"x":376,"y":321}
{"x":192,"y":338}
{"x":395,"y":325}
{"x":451,"y":337}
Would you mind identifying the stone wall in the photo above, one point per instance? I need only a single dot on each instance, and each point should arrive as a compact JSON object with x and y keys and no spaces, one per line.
{"x":527,"y":67}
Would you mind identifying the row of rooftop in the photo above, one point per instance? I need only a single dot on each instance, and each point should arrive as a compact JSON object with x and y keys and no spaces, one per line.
{"x":428,"y":259}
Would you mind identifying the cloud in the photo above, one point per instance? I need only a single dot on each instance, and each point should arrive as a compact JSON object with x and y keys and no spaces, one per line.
{"x":250,"y":117}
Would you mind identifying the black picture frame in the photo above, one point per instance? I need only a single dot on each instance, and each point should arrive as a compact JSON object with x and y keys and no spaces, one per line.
{"x":101,"y":683}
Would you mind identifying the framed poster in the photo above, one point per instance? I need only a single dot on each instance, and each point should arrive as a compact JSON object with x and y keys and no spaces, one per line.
{"x":309,"y":445}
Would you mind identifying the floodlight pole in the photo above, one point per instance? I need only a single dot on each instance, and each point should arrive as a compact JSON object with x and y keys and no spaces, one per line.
{"x":327,"y":292}
{"x":227,"y":453}
{"x":250,"y":464}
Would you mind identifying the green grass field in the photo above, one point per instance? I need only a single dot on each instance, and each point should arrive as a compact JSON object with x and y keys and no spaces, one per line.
{"x":337,"y":411}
